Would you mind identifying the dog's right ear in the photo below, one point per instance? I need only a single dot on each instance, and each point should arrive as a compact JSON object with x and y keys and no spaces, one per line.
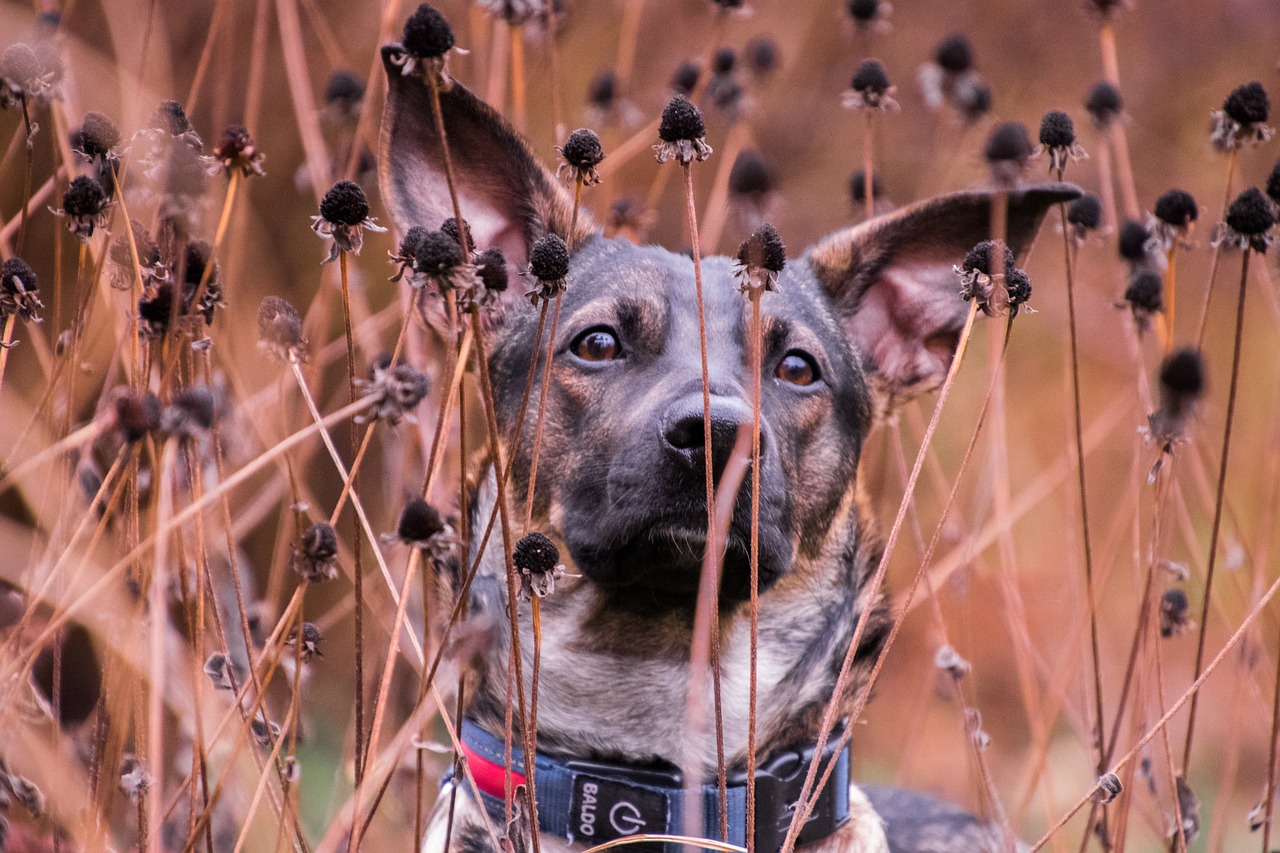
{"x":507,"y":196}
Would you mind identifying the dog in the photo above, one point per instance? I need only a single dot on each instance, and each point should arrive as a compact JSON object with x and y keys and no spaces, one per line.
{"x":866,"y":318}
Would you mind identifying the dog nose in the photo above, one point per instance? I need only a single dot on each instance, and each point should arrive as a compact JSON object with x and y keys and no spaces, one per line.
{"x":684,"y":436}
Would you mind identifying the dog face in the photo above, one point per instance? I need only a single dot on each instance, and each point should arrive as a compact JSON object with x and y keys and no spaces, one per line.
{"x":862,"y":321}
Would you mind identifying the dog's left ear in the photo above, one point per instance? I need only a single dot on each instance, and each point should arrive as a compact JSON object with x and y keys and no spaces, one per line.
{"x":508,"y":197}
{"x":892,"y":284}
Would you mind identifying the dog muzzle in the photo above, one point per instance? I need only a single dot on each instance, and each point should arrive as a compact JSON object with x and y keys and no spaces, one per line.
{"x":592,"y":802}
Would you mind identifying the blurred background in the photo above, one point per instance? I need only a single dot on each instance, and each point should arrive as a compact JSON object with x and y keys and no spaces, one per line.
{"x":1011,"y":605}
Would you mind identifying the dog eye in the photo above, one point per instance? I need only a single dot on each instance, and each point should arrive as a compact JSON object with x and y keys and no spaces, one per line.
{"x":597,"y":344}
{"x":797,"y":368}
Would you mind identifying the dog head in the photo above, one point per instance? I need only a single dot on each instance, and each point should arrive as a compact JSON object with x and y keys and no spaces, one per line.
{"x":867,"y":318}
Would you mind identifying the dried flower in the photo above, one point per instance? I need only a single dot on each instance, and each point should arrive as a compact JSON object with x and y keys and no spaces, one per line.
{"x":761,"y":258}
{"x":438,"y":260}
{"x":870,"y":89}
{"x":19,"y":291}
{"x":200,"y":267}
{"x":1018,"y":284}
{"x":316,"y":555}
{"x":602,"y":91}
{"x":280,"y":329}
{"x":1108,"y":788}
{"x":191,"y":414}
{"x":1250,"y":224}
{"x":221,"y":671}
{"x":1136,"y":244}
{"x":950,"y":78}
{"x":1175,"y":617}
{"x":1084,"y":215}
{"x":344,"y":214}
{"x":98,"y":137}
{"x":491,"y":271}
{"x":548,"y":267}
{"x":134,"y":416}
{"x":237,"y":150}
{"x":869,"y":14}
{"x":1174,"y":214}
{"x":422,"y":526}
{"x":1144,"y":297}
{"x":582,"y":154}
{"x":972,"y":97}
{"x":1104,"y":103}
{"x":153,"y":270}
{"x":750,"y":175}
{"x":85,"y":207}
{"x":1058,"y":138}
{"x":396,"y":391}
{"x":172,"y":119}
{"x":344,"y":87}
{"x":858,"y":186}
{"x":685,"y":80}
{"x":1242,"y":121}
{"x":311,"y":638}
{"x":537,"y":560}
{"x":682,"y":131}
{"x":762,"y":56}
{"x":135,"y":779}
{"x":427,"y":37}
{"x":1182,"y":381}
{"x":515,"y":12}
{"x":983,"y":275}
{"x":1273,"y":184}
{"x":19,"y":68}
{"x":954,"y":54}
{"x":404,"y":255}
{"x":949,"y":661}
{"x":1007,"y":150}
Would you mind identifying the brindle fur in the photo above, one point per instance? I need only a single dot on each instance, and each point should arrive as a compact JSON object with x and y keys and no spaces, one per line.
{"x":877,"y":307}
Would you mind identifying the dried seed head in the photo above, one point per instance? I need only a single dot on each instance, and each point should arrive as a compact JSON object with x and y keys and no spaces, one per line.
{"x":549,"y":259}
{"x":1182,"y":382}
{"x":237,"y":151}
{"x":762,"y":55}
{"x":973,"y":100}
{"x":396,"y":391}
{"x":954,"y":54}
{"x":311,"y":639}
{"x":858,"y":186}
{"x":1109,"y":787}
{"x":148,"y":250}
{"x":84,"y":198}
{"x":198,"y":256}
{"x":984,"y":276}
{"x":1018,"y":283}
{"x":155,"y":309}
{"x":450,"y":227}
{"x":602,"y":91}
{"x":1057,"y":130}
{"x":316,"y":555}
{"x":1248,"y":104}
{"x":1085,"y":213}
{"x":987,"y":255}
{"x":1007,"y":150}
{"x":191,"y":414}
{"x":871,"y":78}
{"x":343,"y":87}
{"x":136,"y":415}
{"x":761,"y":258}
{"x":863,"y":11}
{"x":949,"y":661}
{"x":535,"y":554}
{"x":1251,"y":213}
{"x":19,"y":65}
{"x":280,"y":329}
{"x":346,"y":203}
{"x":1177,"y":209}
{"x":171,"y":118}
{"x":1175,"y":616}
{"x":685,"y":80}
{"x":681,"y":120}
{"x":750,"y":175}
{"x":491,"y":269}
{"x":1104,"y":103}
{"x":582,"y":149}
{"x":19,"y":291}
{"x":419,"y":521}
{"x":438,"y":254}
{"x":1133,"y":242}
{"x":723,"y":61}
{"x":427,"y":33}
{"x":1145,"y":295}
{"x":98,"y":135}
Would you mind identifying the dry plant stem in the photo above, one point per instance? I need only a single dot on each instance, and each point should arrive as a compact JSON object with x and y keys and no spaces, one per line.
{"x":542,"y":405}
{"x":1269,"y":793}
{"x":6,"y":344}
{"x":1099,"y":721}
{"x":220,"y":10}
{"x":628,"y":39}
{"x":455,"y":367}
{"x":1170,"y":296}
{"x":873,"y":587}
{"x":26,"y":177}
{"x":716,"y":210}
{"x":156,"y":598}
{"x":1217,"y":506}
{"x":1124,"y":169}
{"x":868,"y":162}
{"x":706,"y":607}
{"x":553,"y":56}
{"x":1106,"y":183}
{"x":752,"y":673}
{"x":518,"y":97}
{"x":1191,"y":691}
{"x":1232,"y":157}
{"x":304,"y":105}
{"x":704,"y":843}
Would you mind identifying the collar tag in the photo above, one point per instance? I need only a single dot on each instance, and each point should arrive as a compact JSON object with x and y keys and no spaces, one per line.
{"x":603,"y":810}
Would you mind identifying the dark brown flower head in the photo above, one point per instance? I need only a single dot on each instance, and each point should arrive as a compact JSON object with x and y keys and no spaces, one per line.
{"x":1182,"y":383}
{"x":682,"y":131}
{"x":1251,"y":221}
{"x":427,"y":33}
{"x":1058,"y":138}
{"x":238,"y":151}
{"x":1106,"y":8}
{"x":155,"y":310}
{"x":1135,"y":243}
{"x":972,"y":99}
{"x":403,"y":257}
{"x":1007,"y":150}
{"x":762,"y":55}
{"x":869,"y":14}
{"x":602,"y":91}
{"x":198,"y":258}
{"x":450,"y":227}
{"x":19,"y":291}
{"x":548,"y":267}
{"x":315,"y":557}
{"x":171,"y":118}
{"x":1084,"y":215}
{"x":858,"y":186}
{"x":537,"y":560}
{"x":1144,"y":297}
{"x":954,"y":54}
{"x":582,"y":154}
{"x":85,"y":207}
{"x":311,"y":639}
{"x":1018,"y":283}
{"x":750,"y":175}
{"x":438,"y":260}
{"x":396,"y":390}
{"x":491,"y":269}
{"x":723,"y":61}
{"x":135,"y":416}
{"x":191,"y":414}
{"x":685,"y":80}
{"x":728,"y":5}
{"x":19,"y":68}
{"x":761,"y":258}
{"x":726,"y":94}
{"x":30,"y":73}
{"x":1104,"y":103}
{"x":121,"y":256}
{"x":862,"y":10}
{"x":280,"y":329}
{"x":1242,"y":121}
{"x":1177,"y":209}
{"x":343,"y":88}
{"x":419,"y":521}
{"x":870,"y":89}
{"x":516,"y":12}
{"x":98,"y":136}
{"x":983,"y":276}
{"x":1175,"y":613}
{"x":344,"y":214}
{"x":629,"y":214}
